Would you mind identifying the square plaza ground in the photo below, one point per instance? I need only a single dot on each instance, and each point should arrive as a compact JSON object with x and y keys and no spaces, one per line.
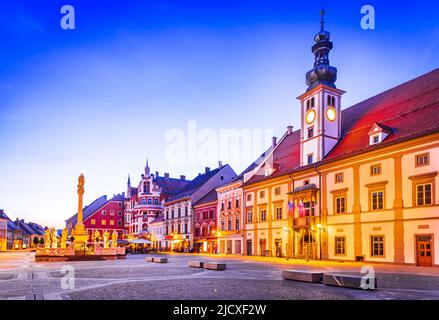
{"x":245,"y":278}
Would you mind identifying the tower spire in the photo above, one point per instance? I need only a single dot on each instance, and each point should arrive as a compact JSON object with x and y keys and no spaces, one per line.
{"x":147,"y":170}
{"x":322,"y":73}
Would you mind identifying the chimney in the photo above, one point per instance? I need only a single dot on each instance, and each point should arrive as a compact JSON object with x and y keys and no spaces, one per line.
{"x":156,"y":174}
{"x":290,"y":129}
{"x":273,"y":142}
{"x":220,"y":164}
{"x":207,"y":169}
{"x":182,"y":177}
{"x":166,"y":175}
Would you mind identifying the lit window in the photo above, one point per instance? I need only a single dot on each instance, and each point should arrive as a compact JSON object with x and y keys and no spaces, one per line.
{"x":279,"y":213}
{"x":375,"y":170}
{"x":377,"y":246}
{"x":377,"y":200}
{"x":422,"y":159}
{"x":111,"y":222}
{"x":340,"y":204}
{"x":340,"y":246}
{"x":249,"y":216}
{"x":339,"y":178}
{"x":263,"y":215}
{"x":103,"y":222}
{"x":93,"y":221}
{"x":423,"y":194}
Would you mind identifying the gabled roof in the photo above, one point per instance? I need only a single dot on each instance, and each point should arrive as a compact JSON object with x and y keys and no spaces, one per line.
{"x":3,"y":215}
{"x":170,"y":186}
{"x":195,"y":184}
{"x":409,"y":110}
{"x":89,"y":210}
{"x":208,"y":198}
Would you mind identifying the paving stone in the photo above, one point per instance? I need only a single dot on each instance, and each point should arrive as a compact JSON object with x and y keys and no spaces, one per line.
{"x":196,"y":264}
{"x":348,"y":281}
{"x":215,"y":266}
{"x":302,"y":275}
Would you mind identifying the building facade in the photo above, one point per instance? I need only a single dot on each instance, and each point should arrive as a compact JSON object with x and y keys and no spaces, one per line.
{"x":3,"y":231}
{"x":157,"y":233}
{"x":230,"y":218}
{"x":205,"y":223}
{"x":145,"y":203}
{"x":353,"y":184}
{"x":179,"y":211}
{"x":102,"y":215}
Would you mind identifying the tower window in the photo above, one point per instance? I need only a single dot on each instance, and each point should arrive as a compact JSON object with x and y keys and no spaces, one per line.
{"x":310,"y":158}
{"x":310,"y":132}
{"x":310,"y":103}
{"x":331,"y":100}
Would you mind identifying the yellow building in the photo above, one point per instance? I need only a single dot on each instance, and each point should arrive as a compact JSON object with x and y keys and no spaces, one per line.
{"x":352,"y":184}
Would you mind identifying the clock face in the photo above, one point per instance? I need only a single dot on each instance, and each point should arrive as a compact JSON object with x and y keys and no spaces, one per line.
{"x":310,"y":116}
{"x":331,"y":114}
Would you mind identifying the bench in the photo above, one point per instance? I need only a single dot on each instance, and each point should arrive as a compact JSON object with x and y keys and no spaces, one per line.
{"x":160,"y":260}
{"x":301,"y":275}
{"x":215,"y":266}
{"x":349,"y":281}
{"x":150,"y":259}
{"x":196,"y":264}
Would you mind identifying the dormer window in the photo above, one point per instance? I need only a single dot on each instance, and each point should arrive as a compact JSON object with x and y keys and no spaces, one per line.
{"x":378,"y":133}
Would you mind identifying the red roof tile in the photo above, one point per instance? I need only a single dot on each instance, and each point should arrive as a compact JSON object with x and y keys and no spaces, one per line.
{"x":410,"y":110}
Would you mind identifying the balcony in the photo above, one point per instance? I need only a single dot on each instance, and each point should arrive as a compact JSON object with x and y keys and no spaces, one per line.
{"x":304,"y":222}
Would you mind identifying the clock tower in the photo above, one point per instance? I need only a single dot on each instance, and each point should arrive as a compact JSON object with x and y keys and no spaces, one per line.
{"x":320,"y":104}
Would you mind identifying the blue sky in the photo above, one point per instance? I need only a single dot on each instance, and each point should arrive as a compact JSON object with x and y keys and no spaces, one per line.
{"x":100,"y":99}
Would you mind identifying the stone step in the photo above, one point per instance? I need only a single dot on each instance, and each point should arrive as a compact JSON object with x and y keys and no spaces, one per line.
{"x":196,"y":264}
{"x":215,"y":266}
{"x":302,"y":275}
{"x":161,"y":260}
{"x":149,"y":259}
{"x":349,"y":281}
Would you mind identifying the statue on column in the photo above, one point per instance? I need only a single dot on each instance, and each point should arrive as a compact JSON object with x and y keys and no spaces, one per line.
{"x":114,"y":239}
{"x":106,"y":239}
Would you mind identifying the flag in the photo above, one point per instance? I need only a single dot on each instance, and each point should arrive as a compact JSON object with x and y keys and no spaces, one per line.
{"x":290,"y":209}
{"x":301,"y":211}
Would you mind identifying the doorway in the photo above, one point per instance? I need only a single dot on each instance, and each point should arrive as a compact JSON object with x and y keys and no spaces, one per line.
{"x":424,"y":250}
{"x":278,"y":247}
{"x":249,"y":247}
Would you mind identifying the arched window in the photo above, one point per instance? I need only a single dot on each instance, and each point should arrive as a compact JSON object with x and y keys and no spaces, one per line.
{"x":149,"y":201}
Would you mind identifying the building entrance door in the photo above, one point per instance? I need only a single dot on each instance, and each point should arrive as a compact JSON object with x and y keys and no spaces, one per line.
{"x":278,"y":247}
{"x":424,"y":250}
{"x":249,"y":247}
{"x":263,"y":247}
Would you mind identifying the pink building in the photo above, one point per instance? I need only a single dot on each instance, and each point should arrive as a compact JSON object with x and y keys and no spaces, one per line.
{"x":205,"y":218}
{"x":102,"y":215}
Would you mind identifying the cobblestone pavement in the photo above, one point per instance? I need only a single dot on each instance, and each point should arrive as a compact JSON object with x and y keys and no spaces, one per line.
{"x":245,"y":278}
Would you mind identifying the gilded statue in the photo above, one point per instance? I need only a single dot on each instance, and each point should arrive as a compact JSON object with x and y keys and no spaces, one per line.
{"x":64,"y":236}
{"x":106,"y":239}
{"x":114,"y":239}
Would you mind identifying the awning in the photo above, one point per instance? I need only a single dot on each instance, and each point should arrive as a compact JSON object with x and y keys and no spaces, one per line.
{"x":140,"y":241}
{"x":200,"y":240}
